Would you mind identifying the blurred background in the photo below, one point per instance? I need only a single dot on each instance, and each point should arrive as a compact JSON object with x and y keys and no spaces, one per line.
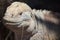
{"x":53,"y":5}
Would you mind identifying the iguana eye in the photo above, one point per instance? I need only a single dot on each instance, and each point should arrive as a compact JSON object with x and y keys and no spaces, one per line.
{"x":20,"y":13}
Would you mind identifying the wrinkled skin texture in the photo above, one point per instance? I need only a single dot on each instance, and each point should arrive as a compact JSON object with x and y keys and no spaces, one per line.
{"x":16,"y":8}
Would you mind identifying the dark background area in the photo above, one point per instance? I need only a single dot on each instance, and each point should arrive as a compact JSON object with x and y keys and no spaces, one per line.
{"x":53,"y":5}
